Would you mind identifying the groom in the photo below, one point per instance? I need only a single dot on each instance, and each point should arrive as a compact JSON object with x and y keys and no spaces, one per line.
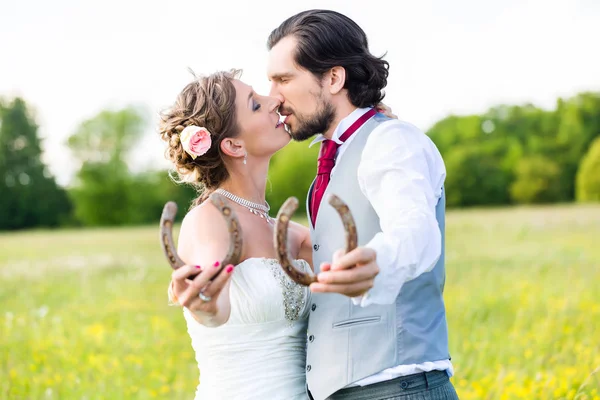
{"x":381,"y":338}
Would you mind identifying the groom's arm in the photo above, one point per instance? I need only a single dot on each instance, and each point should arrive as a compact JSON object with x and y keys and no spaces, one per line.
{"x":401,"y":173}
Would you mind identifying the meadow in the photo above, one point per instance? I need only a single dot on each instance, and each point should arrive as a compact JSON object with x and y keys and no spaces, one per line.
{"x":84,"y":314}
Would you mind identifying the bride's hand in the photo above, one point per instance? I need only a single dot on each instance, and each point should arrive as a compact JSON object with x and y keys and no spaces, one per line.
{"x":386,"y":110}
{"x":201,"y":295}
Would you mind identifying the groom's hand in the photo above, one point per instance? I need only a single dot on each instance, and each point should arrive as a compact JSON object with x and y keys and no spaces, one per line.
{"x":350,"y":274}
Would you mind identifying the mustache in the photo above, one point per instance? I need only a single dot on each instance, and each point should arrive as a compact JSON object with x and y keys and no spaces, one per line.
{"x":285,"y":110}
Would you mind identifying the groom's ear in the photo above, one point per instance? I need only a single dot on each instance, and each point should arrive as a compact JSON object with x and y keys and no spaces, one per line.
{"x":336,"y":79}
{"x":232,"y":147}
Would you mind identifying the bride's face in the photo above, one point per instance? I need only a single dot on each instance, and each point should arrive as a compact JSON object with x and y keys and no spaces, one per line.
{"x":258,"y":122}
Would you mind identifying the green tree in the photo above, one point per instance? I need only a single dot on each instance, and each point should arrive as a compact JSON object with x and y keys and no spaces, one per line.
{"x":109,"y":136}
{"x":149,"y":191}
{"x":456,"y":130}
{"x":475,"y":177}
{"x":101,"y":191}
{"x":100,"y":194}
{"x":588,"y":176}
{"x":291,"y":173}
{"x":29,"y":194}
{"x":526,"y":142}
{"x":537,"y":181}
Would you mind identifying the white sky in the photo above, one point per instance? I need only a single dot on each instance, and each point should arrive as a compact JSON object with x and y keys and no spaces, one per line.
{"x":71,"y":59}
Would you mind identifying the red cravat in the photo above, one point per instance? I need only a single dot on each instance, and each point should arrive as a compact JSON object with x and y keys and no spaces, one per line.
{"x":326,"y":161}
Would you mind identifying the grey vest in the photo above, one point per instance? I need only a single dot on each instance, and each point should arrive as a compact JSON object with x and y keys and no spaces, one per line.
{"x":347,"y":343}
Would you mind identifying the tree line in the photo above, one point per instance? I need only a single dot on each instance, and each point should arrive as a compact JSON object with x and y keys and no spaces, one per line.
{"x":511,"y":154}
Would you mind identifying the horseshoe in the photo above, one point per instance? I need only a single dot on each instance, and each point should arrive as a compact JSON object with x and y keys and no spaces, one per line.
{"x":235,"y":233}
{"x":283,"y":255}
{"x":347,"y":219}
{"x":281,"y":229}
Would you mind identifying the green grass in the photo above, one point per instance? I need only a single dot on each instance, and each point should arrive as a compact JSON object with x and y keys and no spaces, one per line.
{"x":84,"y":315}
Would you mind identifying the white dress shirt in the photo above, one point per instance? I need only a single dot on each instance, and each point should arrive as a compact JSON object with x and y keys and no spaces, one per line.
{"x":401,"y":173}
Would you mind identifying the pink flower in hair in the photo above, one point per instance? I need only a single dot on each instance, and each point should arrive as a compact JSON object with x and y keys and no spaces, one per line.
{"x":195,"y":140}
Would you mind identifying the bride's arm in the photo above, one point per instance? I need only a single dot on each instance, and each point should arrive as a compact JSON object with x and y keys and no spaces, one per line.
{"x":305,"y":251}
{"x":203,"y":239}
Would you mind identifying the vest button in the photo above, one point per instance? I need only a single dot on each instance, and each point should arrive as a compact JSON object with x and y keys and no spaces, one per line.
{"x":404,"y":385}
{"x":316,"y":247}
{"x":308,"y":368}
{"x":311,"y":338}
{"x":314,"y":307}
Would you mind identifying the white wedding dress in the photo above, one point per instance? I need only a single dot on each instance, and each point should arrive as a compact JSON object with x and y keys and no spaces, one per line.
{"x":260,"y":352}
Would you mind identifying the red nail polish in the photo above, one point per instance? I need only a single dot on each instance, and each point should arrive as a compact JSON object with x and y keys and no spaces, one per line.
{"x":198,"y":267}
{"x":229,"y":269}
{"x":217,"y":264}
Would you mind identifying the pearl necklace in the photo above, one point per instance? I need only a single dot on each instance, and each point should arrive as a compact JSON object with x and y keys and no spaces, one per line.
{"x":255,"y":208}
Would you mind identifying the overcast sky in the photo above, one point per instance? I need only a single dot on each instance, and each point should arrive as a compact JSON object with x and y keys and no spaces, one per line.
{"x":71,"y":59}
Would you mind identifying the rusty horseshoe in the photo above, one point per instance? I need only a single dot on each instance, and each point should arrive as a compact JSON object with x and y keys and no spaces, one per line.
{"x":235,"y":233}
{"x":281,"y":229}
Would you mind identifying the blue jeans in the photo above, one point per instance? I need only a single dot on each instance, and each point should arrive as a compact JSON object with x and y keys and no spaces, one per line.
{"x":434,"y":385}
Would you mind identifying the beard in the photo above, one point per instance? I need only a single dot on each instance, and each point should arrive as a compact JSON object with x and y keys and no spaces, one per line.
{"x":309,"y":125}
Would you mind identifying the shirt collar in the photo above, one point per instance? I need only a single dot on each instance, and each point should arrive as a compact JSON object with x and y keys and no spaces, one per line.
{"x":342,"y":126}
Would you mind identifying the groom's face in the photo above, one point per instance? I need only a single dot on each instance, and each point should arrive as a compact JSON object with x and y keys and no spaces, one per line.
{"x":305,"y":104}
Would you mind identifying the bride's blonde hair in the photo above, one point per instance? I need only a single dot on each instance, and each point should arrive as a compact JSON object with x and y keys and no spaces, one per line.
{"x":208,"y":101}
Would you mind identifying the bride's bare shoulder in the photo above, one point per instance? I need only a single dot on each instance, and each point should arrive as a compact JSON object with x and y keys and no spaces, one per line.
{"x":204,"y":222}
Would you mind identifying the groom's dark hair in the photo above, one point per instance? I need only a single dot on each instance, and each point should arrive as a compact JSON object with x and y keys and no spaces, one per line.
{"x":328,"y":39}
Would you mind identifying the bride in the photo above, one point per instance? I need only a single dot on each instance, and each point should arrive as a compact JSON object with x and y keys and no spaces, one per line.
{"x":248,"y":325}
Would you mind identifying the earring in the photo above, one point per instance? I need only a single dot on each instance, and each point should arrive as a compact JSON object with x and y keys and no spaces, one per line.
{"x":245,"y":158}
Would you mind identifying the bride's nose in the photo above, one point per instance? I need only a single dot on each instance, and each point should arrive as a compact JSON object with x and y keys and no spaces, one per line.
{"x":273,"y":103}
